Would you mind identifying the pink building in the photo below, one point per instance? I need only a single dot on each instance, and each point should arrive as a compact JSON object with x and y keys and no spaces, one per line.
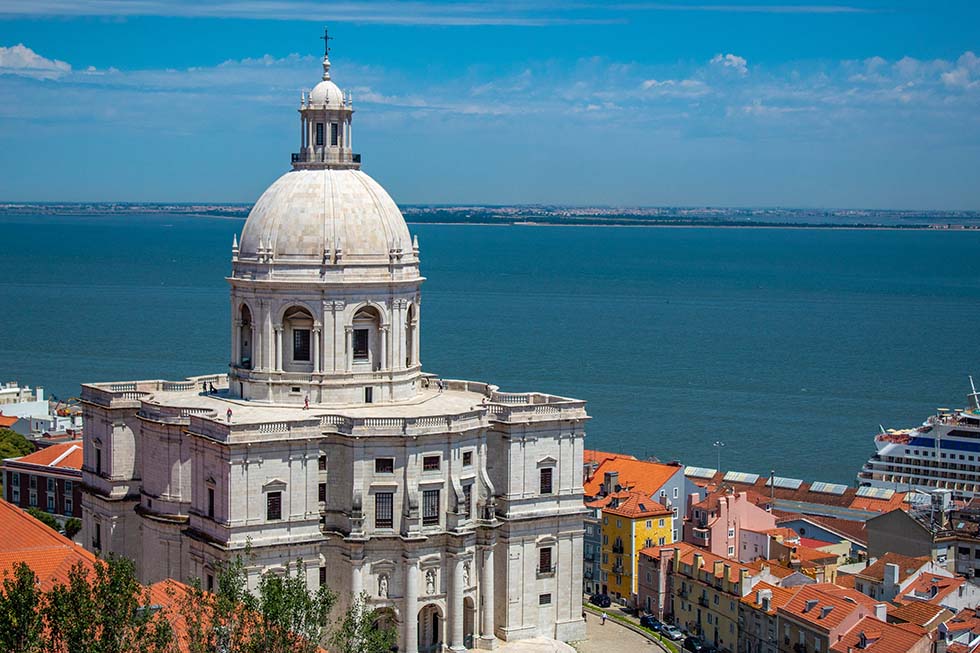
{"x":717,"y":522}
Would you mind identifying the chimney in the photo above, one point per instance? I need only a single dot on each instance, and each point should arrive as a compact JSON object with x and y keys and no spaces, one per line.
{"x":825,"y":610}
{"x":890,"y":580}
{"x":764,"y":598}
{"x":610,"y":482}
{"x":717,"y":567}
{"x":810,"y":604}
{"x":881,"y":612}
{"x":697,"y":562}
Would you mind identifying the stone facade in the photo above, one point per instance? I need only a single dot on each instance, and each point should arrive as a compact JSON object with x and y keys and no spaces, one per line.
{"x":456,"y":508}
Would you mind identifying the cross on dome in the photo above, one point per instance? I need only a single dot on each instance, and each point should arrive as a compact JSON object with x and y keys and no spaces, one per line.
{"x":326,"y":38}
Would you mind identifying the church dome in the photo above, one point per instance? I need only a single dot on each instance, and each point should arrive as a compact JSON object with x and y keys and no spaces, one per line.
{"x":312,"y":213}
{"x":326,"y":92}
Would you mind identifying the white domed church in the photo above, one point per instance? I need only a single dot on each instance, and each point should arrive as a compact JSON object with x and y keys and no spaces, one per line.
{"x":455,"y":507}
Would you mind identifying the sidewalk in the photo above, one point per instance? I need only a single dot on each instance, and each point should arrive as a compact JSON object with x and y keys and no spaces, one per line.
{"x":615,"y":633}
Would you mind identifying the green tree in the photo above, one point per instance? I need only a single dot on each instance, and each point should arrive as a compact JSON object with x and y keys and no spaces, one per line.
{"x":107,"y":611}
{"x":72,"y":527}
{"x":363,"y":629}
{"x":46,"y":518}
{"x":13,"y":444}
{"x":20,"y":620}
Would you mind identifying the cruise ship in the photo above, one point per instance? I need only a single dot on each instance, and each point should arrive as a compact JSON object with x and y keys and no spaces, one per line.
{"x":942,"y":453}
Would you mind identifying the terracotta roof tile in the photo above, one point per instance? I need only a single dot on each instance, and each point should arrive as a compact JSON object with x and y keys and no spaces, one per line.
{"x":6,"y":421}
{"x":636,"y":475}
{"x":596,"y":457}
{"x":67,"y":455}
{"x":823,"y":606}
{"x":780,"y":596}
{"x":631,"y":505}
{"x":920,"y":613}
{"x":875,"y":636}
{"x":907,"y":566}
{"x":45,"y":551}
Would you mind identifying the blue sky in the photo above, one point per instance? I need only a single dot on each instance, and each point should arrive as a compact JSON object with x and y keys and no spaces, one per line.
{"x":843,"y":104}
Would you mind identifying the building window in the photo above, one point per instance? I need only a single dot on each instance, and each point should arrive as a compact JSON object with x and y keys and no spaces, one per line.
{"x":544,"y":599}
{"x":98,"y":461}
{"x":544,"y":560}
{"x":384,"y":465}
{"x":467,"y":458}
{"x":15,"y":495}
{"x":661,"y":523}
{"x":50,"y":503}
{"x":321,"y":493}
{"x":384,"y":510}
{"x":467,"y":501}
{"x":69,"y":506}
{"x":545,"y":485}
{"x":321,"y":463}
{"x":32,"y":482}
{"x":731,"y":551}
{"x":33,"y":499}
{"x":68,"y":487}
{"x":301,"y":344}
{"x":649,"y":523}
{"x":97,"y":537}
{"x":431,"y":463}
{"x":662,"y":541}
{"x":675,"y":492}
{"x":334,"y":133}
{"x":430,"y":507}
{"x":14,"y":479}
{"x":360,"y":344}
{"x":51,"y":485}
{"x":211,"y":502}
{"x":605,"y":539}
{"x":619,"y":523}
{"x":273,"y":506}
{"x":319,"y":133}
{"x":210,"y":582}
{"x":323,"y":576}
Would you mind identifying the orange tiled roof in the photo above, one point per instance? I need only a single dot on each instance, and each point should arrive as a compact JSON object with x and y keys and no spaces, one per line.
{"x":920,"y":613}
{"x":686,"y":553}
{"x":631,"y":505}
{"x":636,"y":475}
{"x":907,"y":565}
{"x":878,"y":637}
{"x":596,"y":457}
{"x":49,"y":554}
{"x":824,"y":606}
{"x":66,"y":455}
{"x":928,"y":587}
{"x":780,"y":596}
{"x":6,"y":421}
{"x":847,"y":529}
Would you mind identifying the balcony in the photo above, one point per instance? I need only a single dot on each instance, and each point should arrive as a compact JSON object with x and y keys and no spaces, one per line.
{"x":618,"y":568}
{"x":325,"y":155}
{"x":617,"y":548}
{"x":703,"y":601}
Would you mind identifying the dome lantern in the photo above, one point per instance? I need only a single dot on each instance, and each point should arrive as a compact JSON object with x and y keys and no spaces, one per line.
{"x":325,"y":124}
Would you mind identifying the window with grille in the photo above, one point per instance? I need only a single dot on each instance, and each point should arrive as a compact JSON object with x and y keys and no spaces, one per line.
{"x":430,"y":507}
{"x":384,"y":465}
{"x":431,"y":463}
{"x":360,"y":344}
{"x":321,"y":493}
{"x":321,"y":463}
{"x":273,"y":506}
{"x":467,"y":502}
{"x":546,"y":475}
{"x":544,"y":599}
{"x":323,"y":576}
{"x":467,"y":458}
{"x":301,"y":344}
{"x":544,"y":560}
{"x":384,"y":510}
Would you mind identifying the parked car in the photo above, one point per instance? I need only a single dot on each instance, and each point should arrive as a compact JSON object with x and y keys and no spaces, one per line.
{"x":672,"y":633}
{"x":600,"y":600}
{"x":651,"y":622}
{"x":697,"y":645}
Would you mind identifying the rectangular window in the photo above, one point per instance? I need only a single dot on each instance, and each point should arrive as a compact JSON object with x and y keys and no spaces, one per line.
{"x":50,"y":503}
{"x":467,"y":458}
{"x":675,"y":492}
{"x":273,"y":506}
{"x":32,"y":481}
{"x":51,"y":485}
{"x":545,"y":484}
{"x":97,"y":537}
{"x":334,"y":133}
{"x":98,"y":461}
{"x":544,"y":599}
{"x":431,"y":463}
{"x":661,"y":523}
{"x":14,"y":479}
{"x":369,"y":395}
{"x":430,"y":508}
{"x":301,"y":344}
{"x":210,"y":582}
{"x":662,"y":541}
{"x":321,"y":493}
{"x":544,"y":560}
{"x":321,"y":463}
{"x":467,"y":501}
{"x":384,"y":510}
{"x":319,"y":133}
{"x":361,"y":344}
{"x":69,"y":487}
{"x":69,"y":506}
{"x":15,"y":495}
{"x":384,"y":465}
{"x":323,"y":576}
{"x":33,"y":499}
{"x":211,"y":502}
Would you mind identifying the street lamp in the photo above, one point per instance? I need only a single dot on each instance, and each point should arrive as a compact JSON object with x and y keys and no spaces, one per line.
{"x":718,"y":445}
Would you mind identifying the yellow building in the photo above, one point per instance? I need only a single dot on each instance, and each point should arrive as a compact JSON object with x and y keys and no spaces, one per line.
{"x":631,"y":522}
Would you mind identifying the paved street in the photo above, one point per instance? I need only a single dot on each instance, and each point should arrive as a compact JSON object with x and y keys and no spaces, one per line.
{"x":612,"y":637}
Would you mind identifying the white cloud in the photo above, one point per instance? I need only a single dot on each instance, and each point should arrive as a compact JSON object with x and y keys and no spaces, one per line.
{"x":21,"y":60}
{"x":731,"y":62}
{"x":966,"y":72}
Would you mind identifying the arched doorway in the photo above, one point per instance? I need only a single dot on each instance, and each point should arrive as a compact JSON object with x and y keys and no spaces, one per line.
{"x":245,"y":338}
{"x":430,"y":629}
{"x":469,"y":622}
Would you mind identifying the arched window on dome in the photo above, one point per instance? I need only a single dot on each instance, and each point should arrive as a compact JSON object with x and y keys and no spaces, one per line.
{"x":245,"y":338}
{"x":297,"y":324}
{"x":411,"y":331}
{"x":366,"y":339}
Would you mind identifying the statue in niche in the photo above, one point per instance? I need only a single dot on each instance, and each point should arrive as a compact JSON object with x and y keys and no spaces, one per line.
{"x":430,"y":582}
{"x":383,"y":586}
{"x":466,"y":574}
